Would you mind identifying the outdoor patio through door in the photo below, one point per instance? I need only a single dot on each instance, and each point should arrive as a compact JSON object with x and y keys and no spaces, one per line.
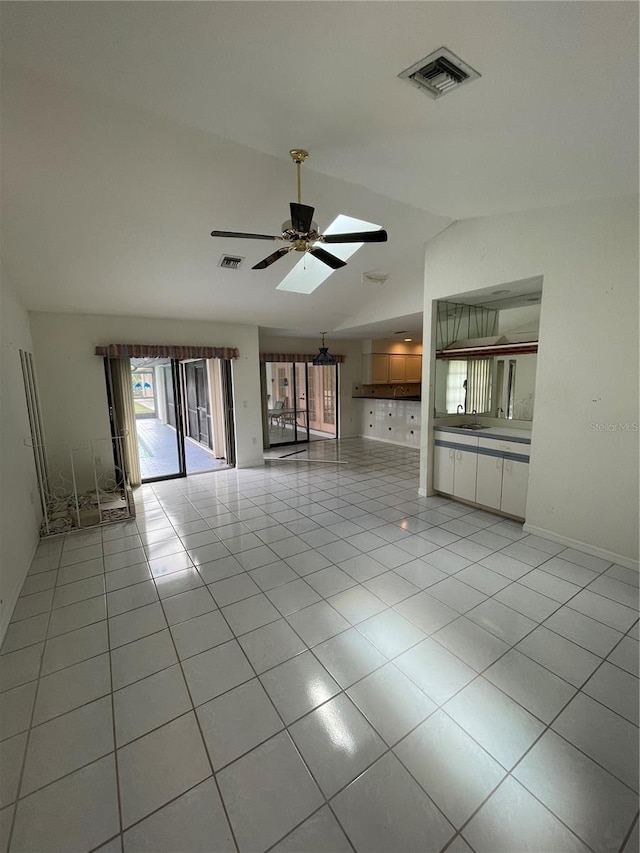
{"x":177,"y":431}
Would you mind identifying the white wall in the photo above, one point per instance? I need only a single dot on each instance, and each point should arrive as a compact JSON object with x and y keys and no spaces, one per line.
{"x":350,"y":370}
{"x":583,"y":484}
{"x":397,"y":346}
{"x":19,"y":502}
{"x":72,"y":383}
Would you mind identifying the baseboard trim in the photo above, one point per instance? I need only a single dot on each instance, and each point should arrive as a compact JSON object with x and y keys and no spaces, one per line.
{"x":15,"y":594}
{"x":620,"y":559}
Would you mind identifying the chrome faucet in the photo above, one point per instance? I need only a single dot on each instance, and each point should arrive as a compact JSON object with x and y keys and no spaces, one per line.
{"x":459,"y":406}
{"x":475,"y":420}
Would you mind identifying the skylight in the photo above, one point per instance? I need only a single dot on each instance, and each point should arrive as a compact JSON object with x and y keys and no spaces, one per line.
{"x":309,"y":272}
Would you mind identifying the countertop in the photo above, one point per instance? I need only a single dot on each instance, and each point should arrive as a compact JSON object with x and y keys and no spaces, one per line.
{"x":510,"y":433}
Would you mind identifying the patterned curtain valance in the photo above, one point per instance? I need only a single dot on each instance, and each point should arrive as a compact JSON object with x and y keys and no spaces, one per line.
{"x":294,"y":356}
{"x":156,"y":351}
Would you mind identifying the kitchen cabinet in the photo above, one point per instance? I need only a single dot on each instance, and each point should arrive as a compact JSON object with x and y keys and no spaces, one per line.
{"x":489,"y":481}
{"x":413,"y":368}
{"x":515,"y":479}
{"x":464,"y":475}
{"x":395,"y":367}
{"x":443,"y":464}
{"x":486,"y":473}
{"x":454,"y":471}
{"x":379,"y":367}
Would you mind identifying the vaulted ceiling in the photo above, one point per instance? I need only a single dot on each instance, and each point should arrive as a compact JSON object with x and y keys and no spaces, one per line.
{"x":131,"y":130}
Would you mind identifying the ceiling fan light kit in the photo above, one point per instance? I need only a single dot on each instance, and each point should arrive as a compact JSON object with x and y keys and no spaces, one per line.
{"x":302,"y":232}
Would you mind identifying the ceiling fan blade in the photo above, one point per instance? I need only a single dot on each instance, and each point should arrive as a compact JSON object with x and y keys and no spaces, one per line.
{"x":244,"y":236}
{"x":327,"y":258}
{"x":357,"y":237}
{"x":271,"y":259}
{"x":301,"y":217}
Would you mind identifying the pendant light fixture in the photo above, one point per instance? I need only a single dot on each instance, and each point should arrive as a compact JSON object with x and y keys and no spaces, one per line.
{"x":324,"y":357}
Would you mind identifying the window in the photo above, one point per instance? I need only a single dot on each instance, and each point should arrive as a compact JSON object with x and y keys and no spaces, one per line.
{"x":456,"y":393}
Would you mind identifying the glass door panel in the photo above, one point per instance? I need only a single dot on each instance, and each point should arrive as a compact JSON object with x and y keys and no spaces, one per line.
{"x":204,"y":425}
{"x":280,"y":397}
{"x":287,"y":395}
{"x":160,"y":449}
{"x":323,"y":401}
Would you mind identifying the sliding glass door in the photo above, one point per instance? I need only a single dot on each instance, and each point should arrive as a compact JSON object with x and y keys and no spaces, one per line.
{"x":301,"y":402}
{"x":155,"y":384}
{"x":170,"y":417}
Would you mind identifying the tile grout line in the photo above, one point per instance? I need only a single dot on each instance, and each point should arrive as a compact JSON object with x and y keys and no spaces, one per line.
{"x":113,"y":721}
{"x":28,"y":730}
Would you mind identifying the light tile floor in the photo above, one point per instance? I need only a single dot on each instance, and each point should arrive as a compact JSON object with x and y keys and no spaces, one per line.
{"x":310,"y":657}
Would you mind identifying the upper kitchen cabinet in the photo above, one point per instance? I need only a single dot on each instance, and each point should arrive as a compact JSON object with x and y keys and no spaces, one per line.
{"x":379,"y":366}
{"x":413,"y":368}
{"x":394,"y":367}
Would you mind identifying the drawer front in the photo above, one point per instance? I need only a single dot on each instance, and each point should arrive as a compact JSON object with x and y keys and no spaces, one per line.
{"x":456,"y":438}
{"x":504,"y":446}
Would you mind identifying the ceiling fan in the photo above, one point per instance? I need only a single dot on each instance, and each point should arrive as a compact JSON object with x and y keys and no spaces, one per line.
{"x":302,"y":232}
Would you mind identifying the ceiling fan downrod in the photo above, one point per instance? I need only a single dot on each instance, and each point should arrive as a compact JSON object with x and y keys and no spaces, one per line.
{"x":299,"y":155}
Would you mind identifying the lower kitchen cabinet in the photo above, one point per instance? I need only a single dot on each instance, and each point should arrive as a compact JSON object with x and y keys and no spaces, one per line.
{"x":489,"y":482}
{"x":493,"y":481}
{"x":443,"y":464}
{"x":464,"y":475}
{"x":515,"y":479}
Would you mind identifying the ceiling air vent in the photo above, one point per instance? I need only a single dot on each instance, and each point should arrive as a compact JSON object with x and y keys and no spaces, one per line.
{"x":439,"y":73}
{"x":230,"y":262}
{"x":374,"y":277}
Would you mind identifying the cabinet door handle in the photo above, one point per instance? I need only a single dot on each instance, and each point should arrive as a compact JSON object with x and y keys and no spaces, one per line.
{"x":452,"y":453}
{"x":508,"y":466}
{"x":458,"y":454}
{"x":498,"y":463}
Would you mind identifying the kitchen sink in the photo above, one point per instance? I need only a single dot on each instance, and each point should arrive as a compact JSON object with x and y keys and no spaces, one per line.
{"x":472,"y":426}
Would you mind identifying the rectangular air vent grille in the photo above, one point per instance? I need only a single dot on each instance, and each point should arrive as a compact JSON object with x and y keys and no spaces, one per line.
{"x":439,"y":73}
{"x":230,"y":262}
